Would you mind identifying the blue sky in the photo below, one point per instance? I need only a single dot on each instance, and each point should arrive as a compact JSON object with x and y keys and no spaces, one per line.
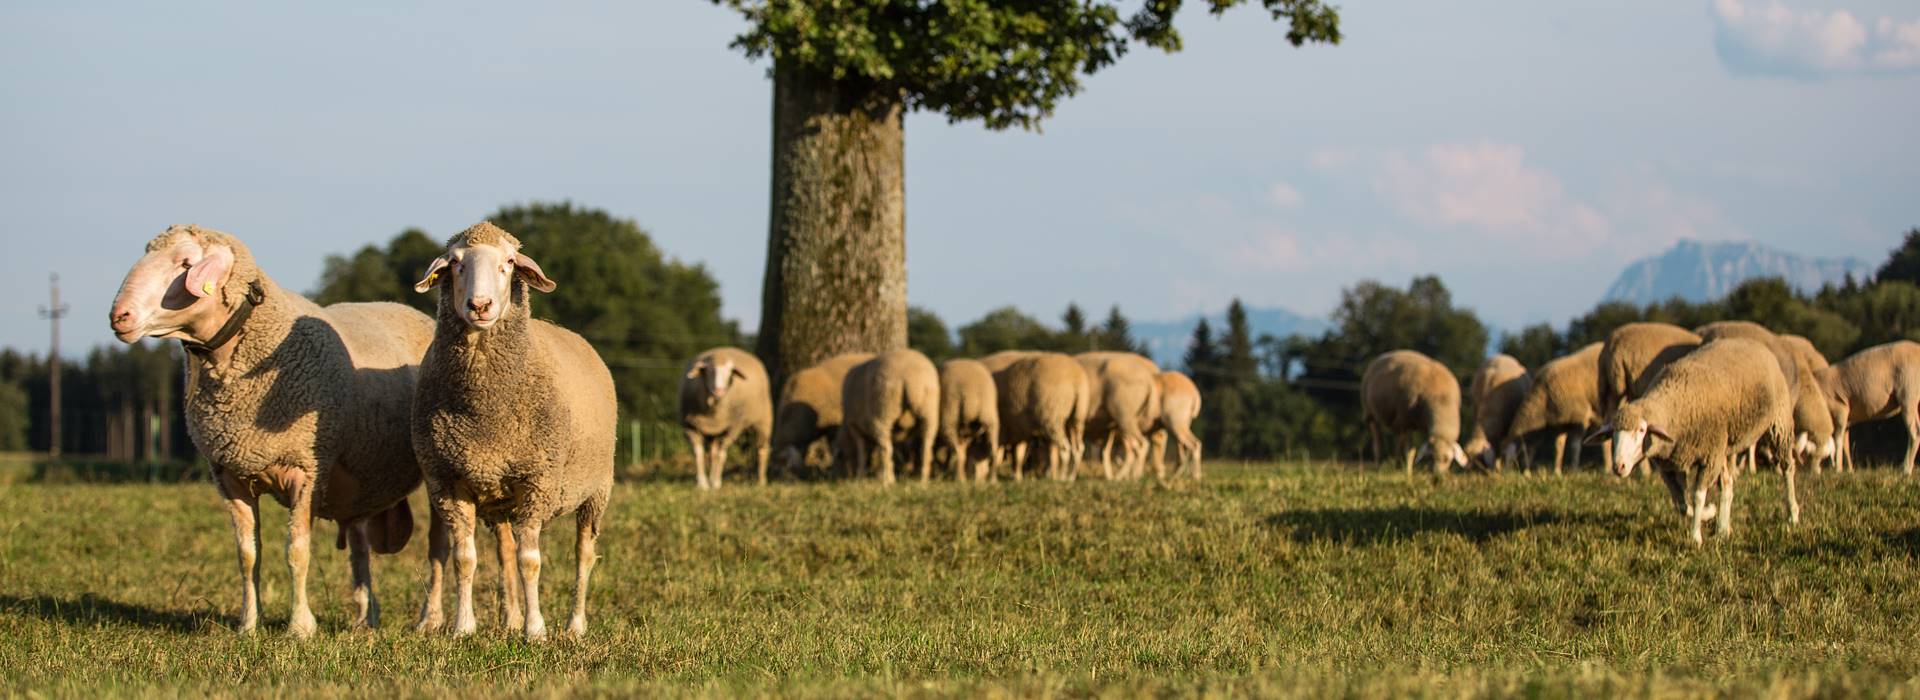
{"x":1523,"y":151}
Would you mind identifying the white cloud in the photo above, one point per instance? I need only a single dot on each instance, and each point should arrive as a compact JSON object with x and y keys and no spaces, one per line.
{"x":1773,"y":39}
{"x":1283,"y":195}
{"x":1488,"y":188}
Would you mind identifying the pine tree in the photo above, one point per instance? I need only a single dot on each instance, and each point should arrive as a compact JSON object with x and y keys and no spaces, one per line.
{"x":1237,"y":363}
{"x":1117,"y":334}
{"x":1203,"y":357}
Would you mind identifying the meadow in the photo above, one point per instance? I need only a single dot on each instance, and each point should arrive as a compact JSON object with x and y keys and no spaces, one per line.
{"x":1286,"y":579}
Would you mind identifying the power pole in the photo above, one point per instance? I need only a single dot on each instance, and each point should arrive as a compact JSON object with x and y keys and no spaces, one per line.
{"x":53,"y":311}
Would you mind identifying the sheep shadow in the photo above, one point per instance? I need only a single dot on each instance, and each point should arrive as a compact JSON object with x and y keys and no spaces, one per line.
{"x":92,"y":609}
{"x":1368,"y":526}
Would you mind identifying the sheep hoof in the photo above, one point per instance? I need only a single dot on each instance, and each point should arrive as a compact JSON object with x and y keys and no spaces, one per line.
{"x":302,"y":626}
{"x":536,"y":631}
{"x":578,"y":627}
{"x":427,"y":623}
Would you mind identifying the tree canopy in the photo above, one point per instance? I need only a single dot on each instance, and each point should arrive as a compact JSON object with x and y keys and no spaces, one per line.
{"x":1005,"y":63}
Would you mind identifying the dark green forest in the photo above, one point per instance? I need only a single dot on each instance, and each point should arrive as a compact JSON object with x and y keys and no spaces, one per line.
{"x":646,"y":312}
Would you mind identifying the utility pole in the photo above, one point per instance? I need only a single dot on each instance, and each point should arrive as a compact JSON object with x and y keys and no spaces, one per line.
{"x":53,"y":311}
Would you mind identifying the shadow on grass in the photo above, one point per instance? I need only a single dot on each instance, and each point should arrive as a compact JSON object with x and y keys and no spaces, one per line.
{"x":91,"y":609}
{"x":1378,"y":525}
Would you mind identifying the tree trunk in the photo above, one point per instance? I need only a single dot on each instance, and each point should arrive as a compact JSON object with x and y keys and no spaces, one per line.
{"x":836,"y":277}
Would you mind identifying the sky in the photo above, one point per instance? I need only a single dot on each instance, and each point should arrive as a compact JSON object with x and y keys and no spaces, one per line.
{"x":1524,"y":152}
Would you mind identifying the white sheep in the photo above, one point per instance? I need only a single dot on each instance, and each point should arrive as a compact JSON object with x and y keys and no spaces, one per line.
{"x":1044,"y":400}
{"x":1879,"y":382}
{"x":723,"y":395}
{"x":1495,"y":393}
{"x":513,"y":422}
{"x":893,"y":397}
{"x":1179,"y":406}
{"x":809,"y":408}
{"x":285,"y":398}
{"x":1404,"y":391}
{"x":1705,"y":407}
{"x":1125,"y":403}
{"x":969,"y":417}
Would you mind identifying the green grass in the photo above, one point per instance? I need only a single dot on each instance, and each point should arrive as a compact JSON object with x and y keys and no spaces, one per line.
{"x":1265,"y":580}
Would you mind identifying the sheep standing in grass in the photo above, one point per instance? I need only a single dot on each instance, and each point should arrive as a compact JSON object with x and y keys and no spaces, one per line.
{"x":1179,"y":406}
{"x":1633,"y":354}
{"x":1125,"y":403}
{"x":285,"y":398}
{"x":810,"y":408}
{"x":1812,"y":397}
{"x":969,"y":417}
{"x":1404,"y":391}
{"x":1495,"y":393}
{"x":513,"y":422}
{"x":1564,"y":396}
{"x":1783,"y":356}
{"x":1879,"y":382}
{"x":723,"y":395}
{"x":1044,"y":400}
{"x":1716,"y":401}
{"x":894,"y":397}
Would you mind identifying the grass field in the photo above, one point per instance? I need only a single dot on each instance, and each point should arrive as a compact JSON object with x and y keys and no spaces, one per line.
{"x":1265,"y":580}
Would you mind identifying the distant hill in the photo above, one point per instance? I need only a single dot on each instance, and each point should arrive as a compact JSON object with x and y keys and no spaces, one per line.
{"x":1167,"y":340}
{"x":1699,"y":271}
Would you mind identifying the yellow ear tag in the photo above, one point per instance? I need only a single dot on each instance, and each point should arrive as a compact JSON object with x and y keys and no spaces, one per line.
{"x":207,"y":287}
{"x":431,"y":276}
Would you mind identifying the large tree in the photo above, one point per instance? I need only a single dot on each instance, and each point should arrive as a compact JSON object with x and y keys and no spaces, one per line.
{"x":845,"y":74}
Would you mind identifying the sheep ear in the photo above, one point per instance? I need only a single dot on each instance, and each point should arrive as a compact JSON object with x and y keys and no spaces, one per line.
{"x":433,"y":275}
{"x":1598,"y":435}
{"x":737,"y":374}
{"x":1459,"y":456}
{"x":529,"y":270}
{"x":207,"y":276}
{"x":693,"y":371}
{"x":1659,"y":432}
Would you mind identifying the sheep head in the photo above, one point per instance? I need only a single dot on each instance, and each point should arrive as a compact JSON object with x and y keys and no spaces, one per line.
{"x":1631,"y":434}
{"x":180,"y":288}
{"x":481,"y":266}
{"x":716,"y":375}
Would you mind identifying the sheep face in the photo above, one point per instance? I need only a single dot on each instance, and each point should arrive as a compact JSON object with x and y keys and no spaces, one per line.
{"x":481,"y":278}
{"x":716,"y":375}
{"x":1445,"y":454}
{"x":1633,"y":443}
{"x":174,"y":290}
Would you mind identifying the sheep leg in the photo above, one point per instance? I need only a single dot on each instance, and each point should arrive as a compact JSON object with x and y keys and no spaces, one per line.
{"x":300,"y":622}
{"x":1579,"y":446}
{"x":928,"y":436}
{"x":1373,"y":430}
{"x":984,"y":470}
{"x":717,"y":459}
{"x":1723,"y":523}
{"x":243,"y":508}
{"x":366,"y":608}
{"x":438,"y":552}
{"x":1913,"y":437}
{"x":504,"y":551}
{"x":698,"y":443}
{"x":1106,"y":457}
{"x":1157,"y":454}
{"x":1559,"y":451}
{"x":760,"y":456}
{"x":1677,"y":490}
{"x":1019,"y":459}
{"x":526,"y":534}
{"x":460,"y":525}
{"x":1793,"y":499}
{"x":1699,"y":506}
{"x":586,"y":534}
{"x":1199,"y":463}
{"x":883,"y":449}
{"x":1400,"y":443}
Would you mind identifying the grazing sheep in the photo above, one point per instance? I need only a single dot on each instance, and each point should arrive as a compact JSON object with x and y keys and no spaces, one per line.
{"x":891,"y":398}
{"x":1813,"y":433}
{"x":1495,"y":393}
{"x":513,"y":422}
{"x":723,"y":395}
{"x":1718,"y":400}
{"x":969,"y":416}
{"x":1044,"y":399}
{"x":1633,"y":354}
{"x":1563,"y":396}
{"x":810,"y":408}
{"x":286,"y":398}
{"x":1783,"y":355}
{"x":1878,"y":382}
{"x":1179,"y":405}
{"x":1126,"y":401}
{"x":1404,"y":391}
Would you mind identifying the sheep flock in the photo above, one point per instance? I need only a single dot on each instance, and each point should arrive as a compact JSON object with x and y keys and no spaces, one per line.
{"x":341,"y":412}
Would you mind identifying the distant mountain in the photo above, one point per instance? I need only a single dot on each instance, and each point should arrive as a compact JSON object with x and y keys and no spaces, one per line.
{"x":1167,"y":340}
{"x":1699,"y":271}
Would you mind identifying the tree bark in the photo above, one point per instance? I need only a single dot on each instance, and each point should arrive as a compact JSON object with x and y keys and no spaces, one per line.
{"x":836,"y":278}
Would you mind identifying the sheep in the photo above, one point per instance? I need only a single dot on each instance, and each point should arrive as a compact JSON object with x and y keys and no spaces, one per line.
{"x":1405,"y":391}
{"x":810,"y":408}
{"x":1783,"y":355}
{"x":513,"y":421}
{"x":1495,"y":392}
{"x":1720,"y":399}
{"x":1810,"y":358}
{"x":1633,"y":354}
{"x":286,"y":398}
{"x":969,"y":415}
{"x":1125,"y":402}
{"x":1813,"y":433}
{"x":724,"y":394}
{"x":1044,"y":400}
{"x":1878,"y":382}
{"x":1179,"y":405}
{"x":891,"y":398}
{"x":1564,"y":396}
